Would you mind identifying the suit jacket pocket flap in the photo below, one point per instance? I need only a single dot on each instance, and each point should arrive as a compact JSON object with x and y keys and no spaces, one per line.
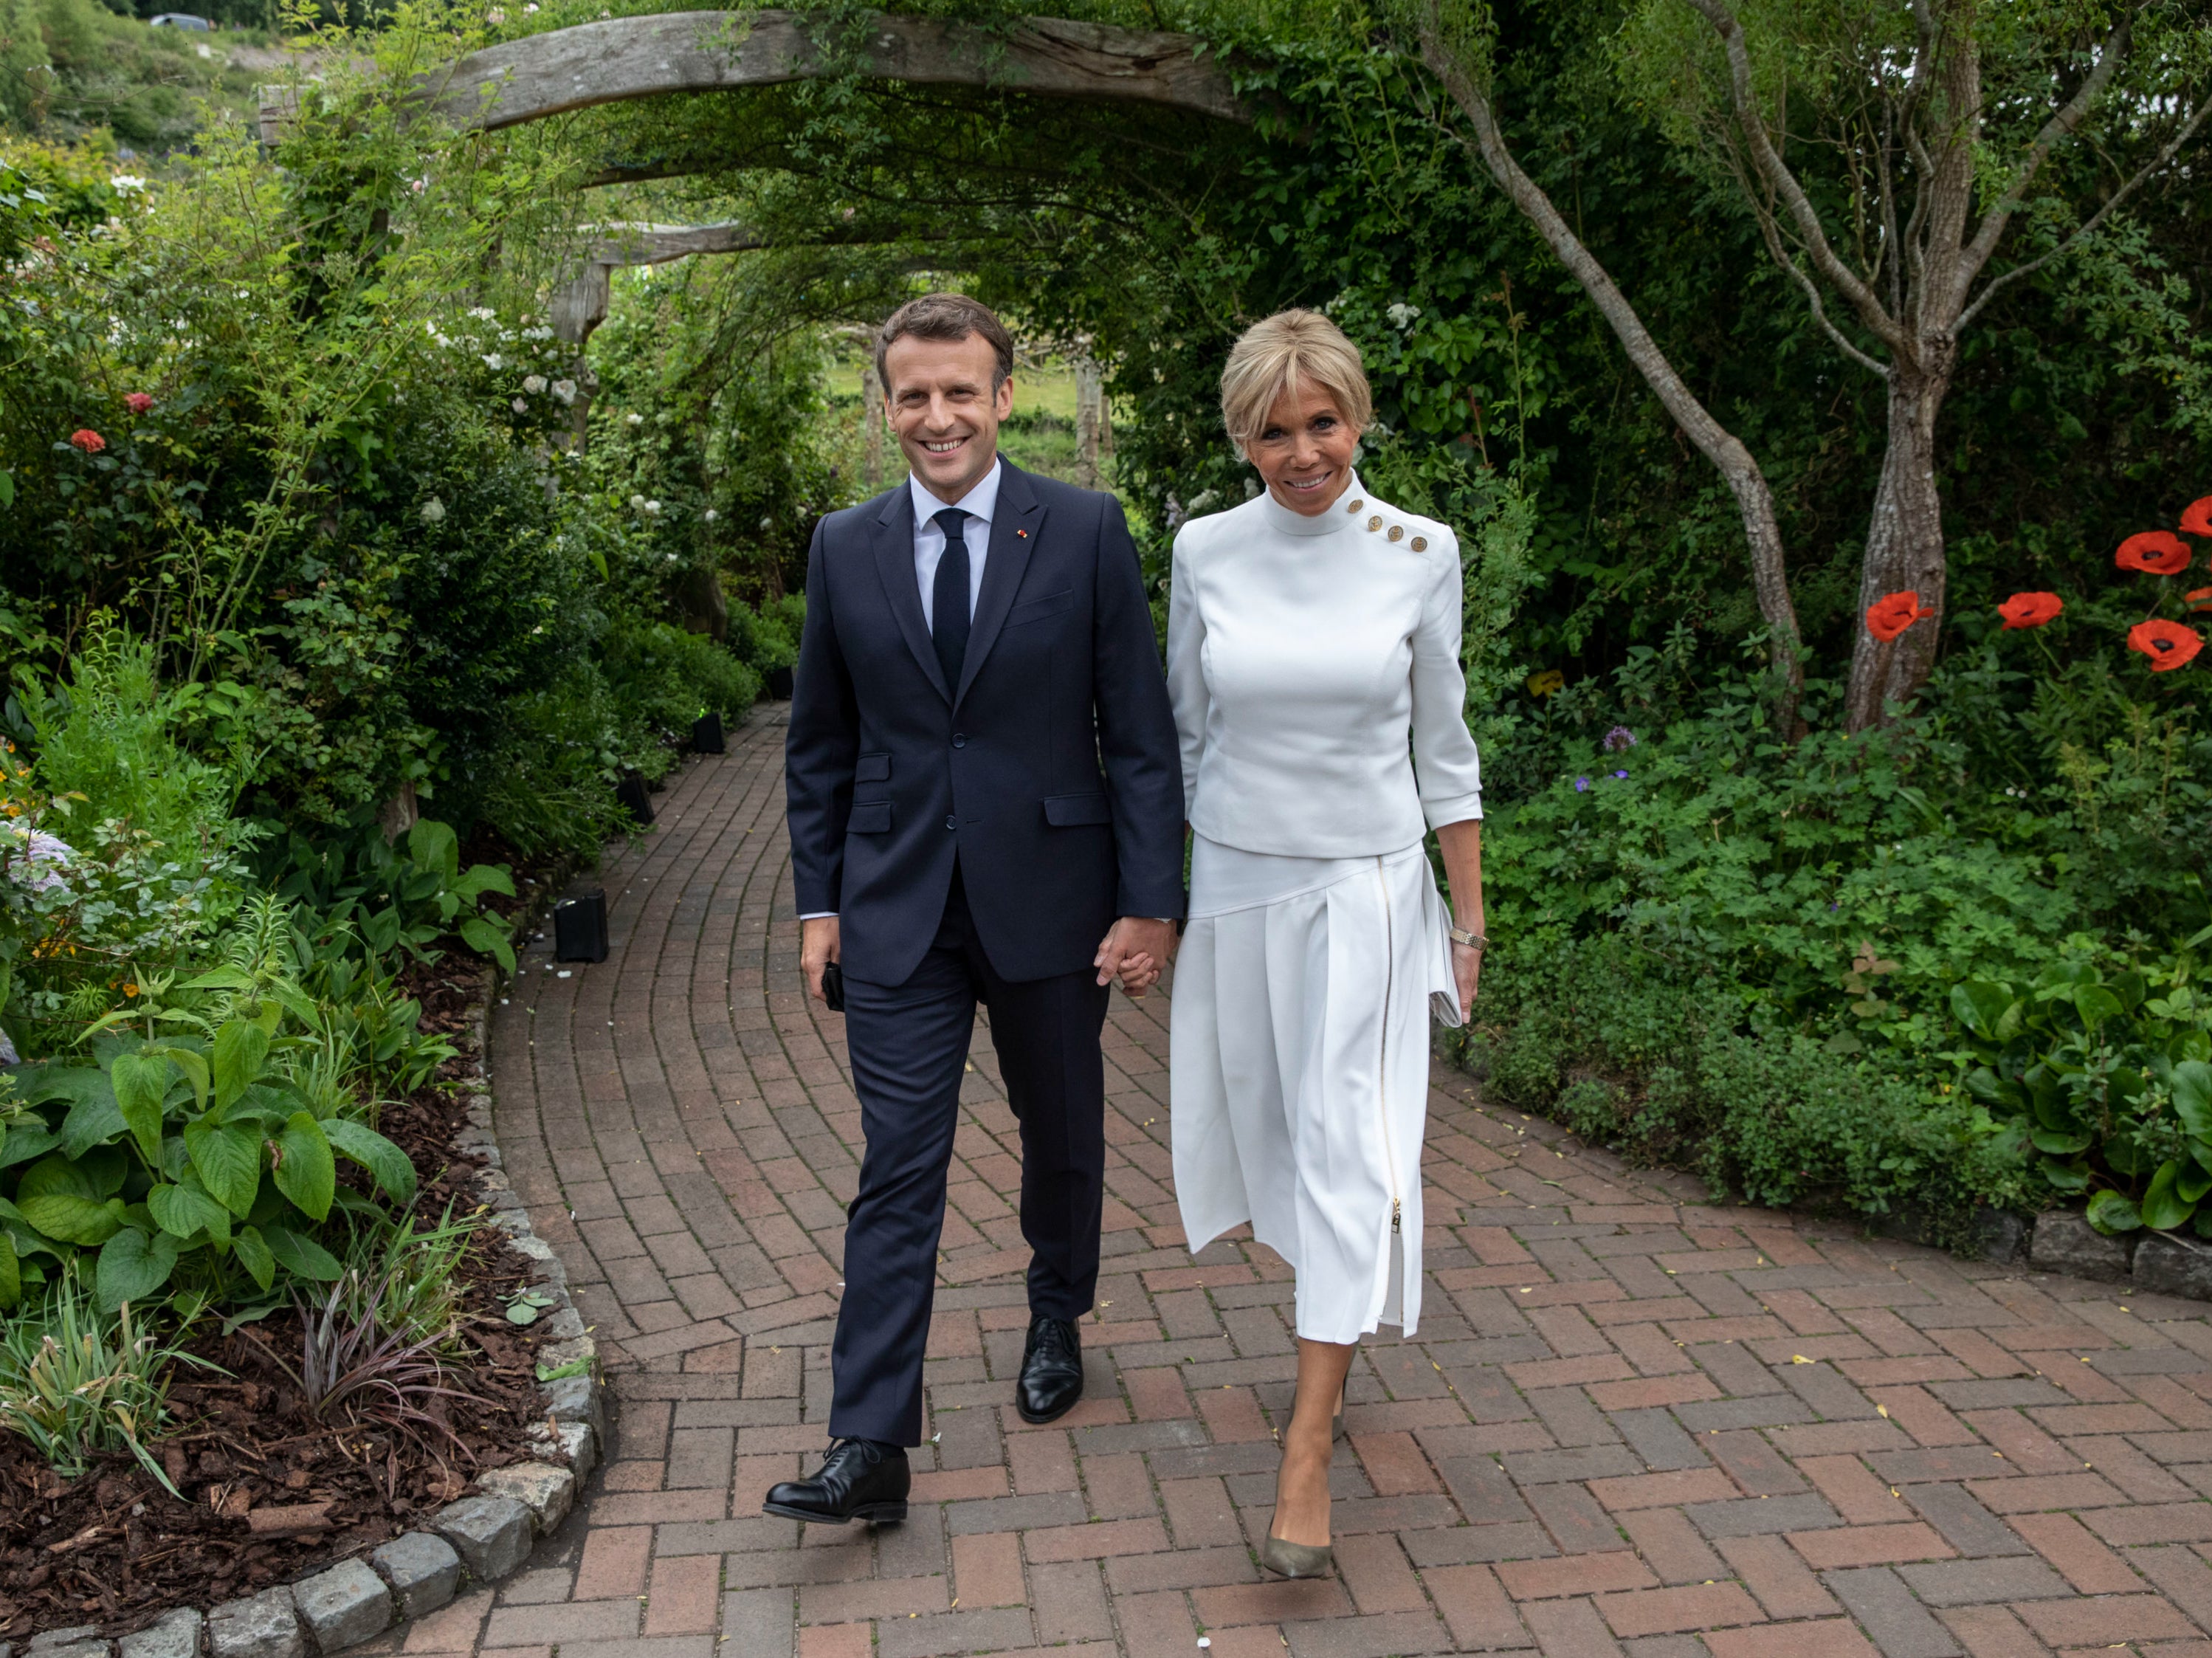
{"x":1035,"y":610}
{"x":872,"y":768}
{"x":1067,"y":810}
{"x":870,"y":817}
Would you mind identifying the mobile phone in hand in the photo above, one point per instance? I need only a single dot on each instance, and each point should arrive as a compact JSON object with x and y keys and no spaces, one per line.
{"x":833,"y":987}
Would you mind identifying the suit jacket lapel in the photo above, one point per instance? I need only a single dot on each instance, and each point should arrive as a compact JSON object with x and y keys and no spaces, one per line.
{"x":892,"y":534}
{"x":1014,"y":532}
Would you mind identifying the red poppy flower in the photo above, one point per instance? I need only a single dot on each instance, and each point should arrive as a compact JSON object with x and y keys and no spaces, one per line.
{"x":2196,"y":517}
{"x":2168,"y":645}
{"x":88,"y":440}
{"x":1886,"y":617}
{"x":2200,"y":600}
{"x":137,"y":402}
{"x":2155,"y":551}
{"x":2030,"y":609}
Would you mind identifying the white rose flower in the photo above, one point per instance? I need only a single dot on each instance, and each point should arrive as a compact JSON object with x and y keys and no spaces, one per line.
{"x":533,"y":384}
{"x":565,"y":390}
{"x":638,"y":503}
{"x":127,"y":182}
{"x":652,"y":509}
{"x":481,"y":313}
{"x":519,"y":406}
{"x":434,"y":511}
{"x":493,"y":361}
{"x":635,"y":419}
{"x":711,"y":514}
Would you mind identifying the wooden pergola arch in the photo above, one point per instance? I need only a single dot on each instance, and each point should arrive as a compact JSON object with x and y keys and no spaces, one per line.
{"x":619,"y":59}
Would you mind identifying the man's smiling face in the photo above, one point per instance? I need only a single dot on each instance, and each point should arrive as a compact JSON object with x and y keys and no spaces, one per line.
{"x":943,"y":410}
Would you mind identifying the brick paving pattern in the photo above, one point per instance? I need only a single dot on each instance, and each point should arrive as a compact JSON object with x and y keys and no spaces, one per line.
{"x":1632,"y":1423}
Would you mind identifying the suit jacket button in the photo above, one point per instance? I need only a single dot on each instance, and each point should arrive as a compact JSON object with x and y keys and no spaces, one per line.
{"x":959,"y":739}
{"x":951,"y":822}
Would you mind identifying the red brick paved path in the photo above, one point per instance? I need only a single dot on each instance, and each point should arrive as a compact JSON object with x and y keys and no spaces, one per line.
{"x":1632,"y":1424}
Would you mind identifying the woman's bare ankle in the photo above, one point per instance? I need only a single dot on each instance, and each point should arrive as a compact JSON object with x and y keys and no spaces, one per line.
{"x":1301,"y":1498}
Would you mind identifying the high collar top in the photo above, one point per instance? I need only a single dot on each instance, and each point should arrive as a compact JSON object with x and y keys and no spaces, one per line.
{"x":1303,"y":652}
{"x":1285,"y":521}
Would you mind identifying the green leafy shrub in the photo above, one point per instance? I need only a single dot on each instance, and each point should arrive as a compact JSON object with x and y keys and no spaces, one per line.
{"x":1690,"y":1069}
{"x":2107,"y":1075}
{"x":669,"y":677}
{"x":766,"y":638}
{"x":549,"y":786}
{"x":184,"y":1155}
{"x":393,"y":899}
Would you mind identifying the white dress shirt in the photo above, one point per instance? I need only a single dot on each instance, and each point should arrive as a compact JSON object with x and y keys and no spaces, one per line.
{"x":1303,"y":653}
{"x":979,"y":504}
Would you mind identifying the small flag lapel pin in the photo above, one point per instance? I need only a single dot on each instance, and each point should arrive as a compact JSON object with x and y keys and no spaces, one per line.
{"x":1024,"y":534}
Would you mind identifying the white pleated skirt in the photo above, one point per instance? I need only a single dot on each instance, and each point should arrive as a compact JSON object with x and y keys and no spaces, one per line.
{"x":1298,"y":1069}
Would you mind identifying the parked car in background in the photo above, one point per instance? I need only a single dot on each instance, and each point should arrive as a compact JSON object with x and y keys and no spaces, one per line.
{"x":179,"y":19}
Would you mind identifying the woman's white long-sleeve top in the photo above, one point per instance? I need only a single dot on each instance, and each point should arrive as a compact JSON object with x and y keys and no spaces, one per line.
{"x":1301,"y":651}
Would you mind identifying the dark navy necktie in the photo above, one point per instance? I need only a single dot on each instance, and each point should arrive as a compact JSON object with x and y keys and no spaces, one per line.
{"x":948,"y":603}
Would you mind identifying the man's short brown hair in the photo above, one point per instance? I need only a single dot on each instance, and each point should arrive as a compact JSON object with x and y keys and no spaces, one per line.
{"x":947,"y":317}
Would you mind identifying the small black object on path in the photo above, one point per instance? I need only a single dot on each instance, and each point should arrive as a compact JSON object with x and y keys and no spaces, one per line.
{"x":579,"y":928}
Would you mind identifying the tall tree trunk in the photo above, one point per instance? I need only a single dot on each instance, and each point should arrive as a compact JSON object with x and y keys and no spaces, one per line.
{"x":1905,"y":551}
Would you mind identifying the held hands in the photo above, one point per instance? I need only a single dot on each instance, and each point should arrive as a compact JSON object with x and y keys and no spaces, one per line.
{"x":818,"y":948}
{"x":1135,"y":951}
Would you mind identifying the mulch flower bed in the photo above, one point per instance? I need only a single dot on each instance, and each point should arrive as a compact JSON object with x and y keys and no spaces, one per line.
{"x":272,"y":1494}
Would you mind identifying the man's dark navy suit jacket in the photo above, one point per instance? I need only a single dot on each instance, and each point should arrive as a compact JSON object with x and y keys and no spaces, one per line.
{"x":1051,"y":769}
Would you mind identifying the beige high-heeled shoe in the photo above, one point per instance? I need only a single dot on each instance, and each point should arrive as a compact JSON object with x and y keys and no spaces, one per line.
{"x":1288,"y":1559}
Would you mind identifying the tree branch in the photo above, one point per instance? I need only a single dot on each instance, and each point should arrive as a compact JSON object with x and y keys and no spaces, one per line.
{"x":1738,"y":468}
{"x":1776,"y":172}
{"x":2089,"y":226}
{"x":1772,"y":232}
{"x":2060,"y":126}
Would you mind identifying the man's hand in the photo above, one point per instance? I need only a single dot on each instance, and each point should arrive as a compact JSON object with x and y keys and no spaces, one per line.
{"x":818,"y":948}
{"x":1135,"y":951}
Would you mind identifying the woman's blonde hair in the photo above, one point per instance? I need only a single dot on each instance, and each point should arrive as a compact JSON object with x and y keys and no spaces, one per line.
{"x":1283,"y":354}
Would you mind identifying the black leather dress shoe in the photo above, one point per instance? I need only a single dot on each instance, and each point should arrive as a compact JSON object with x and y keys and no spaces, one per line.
{"x":860,"y":1479}
{"x":1052,"y":1371}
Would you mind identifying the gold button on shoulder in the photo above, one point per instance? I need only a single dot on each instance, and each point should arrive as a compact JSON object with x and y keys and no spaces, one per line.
{"x":1355,"y":506}
{"x":1421,"y":543}
{"x":1375,"y":523}
{"x":1397,"y":532}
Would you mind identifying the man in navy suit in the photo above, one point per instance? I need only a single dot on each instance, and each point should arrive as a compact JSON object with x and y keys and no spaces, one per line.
{"x":985,"y":804}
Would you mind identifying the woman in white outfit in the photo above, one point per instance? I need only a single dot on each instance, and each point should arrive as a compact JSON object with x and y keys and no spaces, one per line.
{"x":1313,"y":658}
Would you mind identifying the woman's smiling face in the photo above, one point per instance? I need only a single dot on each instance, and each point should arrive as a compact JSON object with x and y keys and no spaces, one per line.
{"x":1303,"y":450}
